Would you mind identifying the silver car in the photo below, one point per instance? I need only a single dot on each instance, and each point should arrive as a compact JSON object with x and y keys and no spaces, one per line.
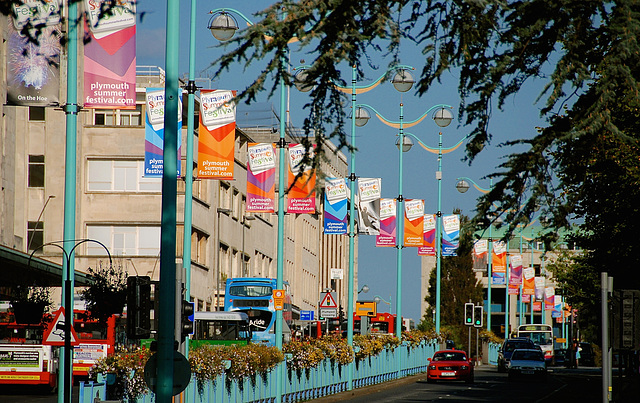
{"x":527,"y":363}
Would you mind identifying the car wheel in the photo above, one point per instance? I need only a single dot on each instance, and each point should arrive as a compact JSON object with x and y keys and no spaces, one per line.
{"x":429,"y":380}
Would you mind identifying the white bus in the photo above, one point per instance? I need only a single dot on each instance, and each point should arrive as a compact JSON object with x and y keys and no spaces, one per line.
{"x":541,"y":335}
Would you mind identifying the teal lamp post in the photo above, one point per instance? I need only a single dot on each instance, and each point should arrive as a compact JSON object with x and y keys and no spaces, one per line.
{"x":223,"y":26}
{"x":404,"y":144}
{"x":443,"y":118}
{"x":378,"y":299}
{"x":462,"y":186}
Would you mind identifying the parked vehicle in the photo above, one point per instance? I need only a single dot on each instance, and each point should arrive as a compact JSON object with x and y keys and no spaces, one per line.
{"x":509,"y":345}
{"x":450,"y":365}
{"x":560,"y":355}
{"x":527,"y":362}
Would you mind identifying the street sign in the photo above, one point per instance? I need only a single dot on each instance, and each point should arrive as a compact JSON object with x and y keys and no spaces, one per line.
{"x":278,"y":300}
{"x":328,"y":301}
{"x":366,"y":308}
{"x":306,"y":315}
{"x":336,"y":274}
{"x":329,"y":313}
{"x":55,"y":334}
{"x":181,"y":372}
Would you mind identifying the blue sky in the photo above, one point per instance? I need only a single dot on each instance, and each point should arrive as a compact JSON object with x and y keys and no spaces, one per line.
{"x":377,"y":155}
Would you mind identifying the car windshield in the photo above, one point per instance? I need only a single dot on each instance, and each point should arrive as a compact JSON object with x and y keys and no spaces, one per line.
{"x":512,"y":345}
{"x":527,"y":356}
{"x":449,"y":357}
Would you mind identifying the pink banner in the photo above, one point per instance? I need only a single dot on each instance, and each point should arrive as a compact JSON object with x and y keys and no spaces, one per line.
{"x":261,"y":178}
{"x":387,"y":237}
{"x":301,"y":197}
{"x":110,"y":57}
{"x":515,"y":276}
{"x":429,"y":236}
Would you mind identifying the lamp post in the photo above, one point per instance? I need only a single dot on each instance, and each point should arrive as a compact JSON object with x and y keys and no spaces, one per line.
{"x":67,"y":365}
{"x":364,"y":289}
{"x":377,"y":299}
{"x":223,"y":26}
{"x":463,"y":185}
{"x":404,"y":144}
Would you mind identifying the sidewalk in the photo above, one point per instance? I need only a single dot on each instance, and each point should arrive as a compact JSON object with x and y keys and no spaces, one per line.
{"x":339,"y":397}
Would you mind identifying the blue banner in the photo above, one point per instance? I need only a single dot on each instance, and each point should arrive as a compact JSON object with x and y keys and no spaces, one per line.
{"x":450,"y":234}
{"x":154,"y":133}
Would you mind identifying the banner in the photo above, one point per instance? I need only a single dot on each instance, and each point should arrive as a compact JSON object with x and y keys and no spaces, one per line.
{"x":515,"y":276}
{"x":479,"y":255}
{"x":154,"y":133}
{"x":33,"y":69}
{"x":525,"y":298}
{"x":387,"y":235}
{"x":217,"y":134}
{"x":368,"y":204}
{"x":413,"y":222}
{"x":428,"y":247}
{"x":450,"y":234}
{"x":110,"y":56}
{"x":528,"y":284}
{"x":514,"y":289}
{"x":302,"y":196}
{"x":335,"y":206}
{"x":539,"y":283}
{"x":549,"y":298}
{"x":499,"y":262}
{"x":557,"y":306}
{"x":261,"y":177}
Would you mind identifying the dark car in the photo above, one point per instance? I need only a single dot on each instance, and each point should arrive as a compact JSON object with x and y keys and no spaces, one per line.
{"x":504,"y":353}
{"x":560,"y":356}
{"x":450,"y":365}
{"x":527,"y":363}
{"x":587,"y":357}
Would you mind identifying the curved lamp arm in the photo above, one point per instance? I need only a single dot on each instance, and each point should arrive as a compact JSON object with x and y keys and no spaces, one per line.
{"x":405,"y":123}
{"x":475,"y":185}
{"x":435,"y":149}
{"x":68,"y":255}
{"x":361,"y":89}
{"x":247,"y":20}
{"x":378,"y":298}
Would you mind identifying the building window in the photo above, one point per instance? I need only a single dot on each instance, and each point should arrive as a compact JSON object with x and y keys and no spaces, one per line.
{"x":120,"y":176}
{"x":36,"y":113}
{"x":124,"y":240}
{"x":118,"y":117}
{"x":36,"y":171}
{"x":199,"y":247}
{"x":224,"y":195}
{"x":35,"y":235}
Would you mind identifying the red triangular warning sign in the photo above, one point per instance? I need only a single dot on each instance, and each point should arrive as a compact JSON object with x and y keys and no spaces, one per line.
{"x":328,"y":301}
{"x":55,"y":335}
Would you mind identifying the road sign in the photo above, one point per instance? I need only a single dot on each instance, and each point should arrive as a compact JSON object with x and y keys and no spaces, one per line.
{"x":329,"y":301}
{"x":306,"y":315}
{"x":329,"y":313}
{"x":55,"y":334}
{"x":278,"y":300}
{"x":181,"y":372}
{"x":366,"y":308}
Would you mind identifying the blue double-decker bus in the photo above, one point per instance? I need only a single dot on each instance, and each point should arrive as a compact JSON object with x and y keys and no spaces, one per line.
{"x":254,"y":296}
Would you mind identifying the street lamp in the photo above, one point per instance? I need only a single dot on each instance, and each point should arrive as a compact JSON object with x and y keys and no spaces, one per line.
{"x":463,"y":185}
{"x":67,"y":365}
{"x":221,"y":25}
{"x":364,"y":289}
{"x":442,"y":117}
{"x":377,"y":299}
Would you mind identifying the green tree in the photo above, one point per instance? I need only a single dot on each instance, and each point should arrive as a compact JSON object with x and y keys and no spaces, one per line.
{"x":458,"y":283}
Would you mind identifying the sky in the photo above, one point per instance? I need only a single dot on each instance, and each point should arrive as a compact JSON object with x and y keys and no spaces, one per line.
{"x":377,"y":156}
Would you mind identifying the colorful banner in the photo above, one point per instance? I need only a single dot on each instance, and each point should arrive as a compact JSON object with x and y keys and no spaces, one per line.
{"x":413,"y":222}
{"x":368,"y":203}
{"x":539,"y":283}
{"x":302,"y":196}
{"x":217,"y":134}
{"x":514,"y":289}
{"x":450,"y":234}
{"x":387,"y":235}
{"x":261,"y":177}
{"x":335,"y":206}
{"x":557,"y":306}
{"x":33,"y":70}
{"x":549,"y":298}
{"x":428,"y":247}
{"x":525,"y":298}
{"x":499,"y":262}
{"x":479,"y":255}
{"x":154,"y":133}
{"x":528,"y":284}
{"x":110,"y":56}
{"x":515,"y":275}
{"x":537,"y":306}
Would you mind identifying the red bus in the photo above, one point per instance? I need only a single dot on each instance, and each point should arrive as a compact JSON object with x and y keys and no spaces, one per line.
{"x":96,"y":341}
{"x":382,"y":323}
{"x":24,"y":360}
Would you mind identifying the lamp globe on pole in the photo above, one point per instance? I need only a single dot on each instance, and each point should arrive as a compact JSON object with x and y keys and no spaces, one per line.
{"x":223,"y":26}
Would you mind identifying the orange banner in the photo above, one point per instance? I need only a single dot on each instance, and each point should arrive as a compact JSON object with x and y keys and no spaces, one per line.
{"x":413,"y":222}
{"x":301,"y":198}
{"x":217,"y":134}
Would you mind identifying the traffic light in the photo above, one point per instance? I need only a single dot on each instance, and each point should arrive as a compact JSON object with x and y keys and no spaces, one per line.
{"x":477,"y":315}
{"x":138,"y":307}
{"x":468,"y":313}
{"x":186,"y":318}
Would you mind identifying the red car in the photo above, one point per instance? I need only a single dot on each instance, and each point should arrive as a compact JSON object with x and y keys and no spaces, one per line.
{"x":450,"y":365}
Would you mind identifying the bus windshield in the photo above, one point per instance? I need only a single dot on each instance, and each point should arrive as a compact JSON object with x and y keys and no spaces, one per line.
{"x":539,"y":338}
{"x":250,"y":291}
